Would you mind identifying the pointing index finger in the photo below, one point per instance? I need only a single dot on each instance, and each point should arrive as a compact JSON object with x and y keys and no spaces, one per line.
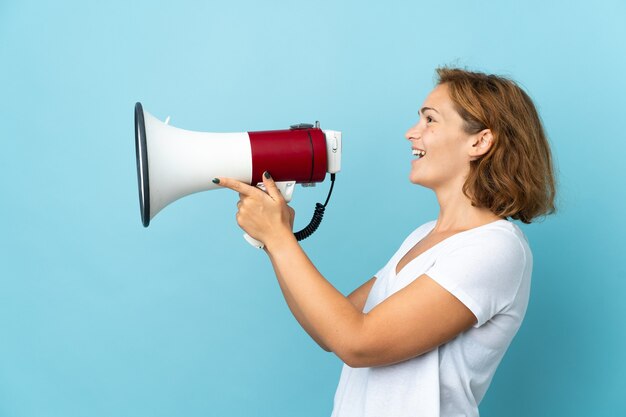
{"x":271,"y":187}
{"x":237,"y":186}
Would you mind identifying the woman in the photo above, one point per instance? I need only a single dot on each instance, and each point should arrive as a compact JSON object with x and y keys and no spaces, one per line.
{"x":424,"y":336}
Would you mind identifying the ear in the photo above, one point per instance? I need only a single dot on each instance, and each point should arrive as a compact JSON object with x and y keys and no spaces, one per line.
{"x":481,"y":143}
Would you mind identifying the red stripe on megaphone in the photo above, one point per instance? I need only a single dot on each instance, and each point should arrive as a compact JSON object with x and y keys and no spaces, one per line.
{"x":289,"y":155}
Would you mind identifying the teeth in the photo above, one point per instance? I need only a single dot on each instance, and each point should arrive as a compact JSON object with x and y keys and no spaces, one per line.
{"x":418,"y":152}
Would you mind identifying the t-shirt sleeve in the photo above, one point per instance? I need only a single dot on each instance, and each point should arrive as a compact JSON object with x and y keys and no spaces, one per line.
{"x":382,"y":271}
{"x":483,"y":272}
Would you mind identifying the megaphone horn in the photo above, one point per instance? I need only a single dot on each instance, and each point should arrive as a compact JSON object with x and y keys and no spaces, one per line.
{"x":173,"y":162}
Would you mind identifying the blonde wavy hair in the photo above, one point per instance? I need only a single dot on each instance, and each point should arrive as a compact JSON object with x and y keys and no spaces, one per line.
{"x":515,"y":178}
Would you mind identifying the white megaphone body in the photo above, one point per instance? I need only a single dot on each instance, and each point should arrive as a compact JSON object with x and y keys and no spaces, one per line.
{"x":173,"y":162}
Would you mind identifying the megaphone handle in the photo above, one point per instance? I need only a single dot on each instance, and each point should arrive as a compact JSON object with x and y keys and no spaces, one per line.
{"x":286,"y":189}
{"x":257,"y":244}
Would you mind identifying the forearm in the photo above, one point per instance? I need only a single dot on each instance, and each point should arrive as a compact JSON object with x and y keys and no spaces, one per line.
{"x":297,"y":313}
{"x":323,"y":311}
{"x":329,"y":315}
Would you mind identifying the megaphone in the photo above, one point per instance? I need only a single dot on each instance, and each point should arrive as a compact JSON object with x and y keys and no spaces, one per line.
{"x":174,"y":162}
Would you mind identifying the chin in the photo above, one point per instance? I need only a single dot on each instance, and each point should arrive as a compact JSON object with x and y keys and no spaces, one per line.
{"x":416,"y":180}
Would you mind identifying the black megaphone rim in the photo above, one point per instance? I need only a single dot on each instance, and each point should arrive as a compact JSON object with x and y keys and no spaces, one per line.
{"x":141,"y":150}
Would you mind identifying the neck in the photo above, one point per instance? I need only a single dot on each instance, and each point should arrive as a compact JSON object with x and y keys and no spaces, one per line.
{"x":456,"y":212}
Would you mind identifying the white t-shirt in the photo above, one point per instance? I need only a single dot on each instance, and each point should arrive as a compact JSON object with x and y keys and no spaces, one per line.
{"x":488,"y":269}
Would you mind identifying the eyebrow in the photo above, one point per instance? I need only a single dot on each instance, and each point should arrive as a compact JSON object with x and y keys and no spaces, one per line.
{"x":427,"y":108}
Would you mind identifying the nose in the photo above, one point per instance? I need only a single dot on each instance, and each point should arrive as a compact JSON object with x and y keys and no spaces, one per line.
{"x":414,"y":132}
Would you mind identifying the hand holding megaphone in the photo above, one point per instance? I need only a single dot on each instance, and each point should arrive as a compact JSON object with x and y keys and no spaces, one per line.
{"x":262,"y":211}
{"x":173,"y":162}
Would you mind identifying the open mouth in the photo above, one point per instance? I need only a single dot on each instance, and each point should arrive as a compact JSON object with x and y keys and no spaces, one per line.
{"x":419,"y":153}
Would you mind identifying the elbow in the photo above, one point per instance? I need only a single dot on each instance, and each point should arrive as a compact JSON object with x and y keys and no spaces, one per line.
{"x":324,"y":347}
{"x":370,"y":359}
{"x":354,"y":363}
{"x":356,"y":359}
{"x":355,"y":348}
{"x":369,"y":352}
{"x":356,"y":355}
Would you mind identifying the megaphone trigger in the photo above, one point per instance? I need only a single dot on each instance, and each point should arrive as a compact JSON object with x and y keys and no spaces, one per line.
{"x":285,"y":187}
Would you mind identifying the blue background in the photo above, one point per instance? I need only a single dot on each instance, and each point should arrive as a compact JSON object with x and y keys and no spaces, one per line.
{"x":101,"y":317}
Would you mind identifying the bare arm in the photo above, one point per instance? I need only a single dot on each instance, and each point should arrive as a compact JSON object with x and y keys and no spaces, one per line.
{"x":297,"y":313}
{"x":358,"y":297}
{"x":413,"y":321}
{"x":416,"y":319}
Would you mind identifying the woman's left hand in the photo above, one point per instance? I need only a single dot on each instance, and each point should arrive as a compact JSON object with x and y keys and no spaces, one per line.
{"x":265,"y":216}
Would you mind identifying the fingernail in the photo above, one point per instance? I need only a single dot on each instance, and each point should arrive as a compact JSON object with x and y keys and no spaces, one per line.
{"x":267,"y":175}
{"x":216,"y":180}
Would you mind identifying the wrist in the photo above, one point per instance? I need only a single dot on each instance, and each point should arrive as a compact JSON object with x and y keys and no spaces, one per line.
{"x":280,"y":241}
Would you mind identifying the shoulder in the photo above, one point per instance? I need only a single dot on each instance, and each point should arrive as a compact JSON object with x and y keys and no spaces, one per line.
{"x":502,"y":238}
{"x":484,"y":267}
{"x":496,"y":251}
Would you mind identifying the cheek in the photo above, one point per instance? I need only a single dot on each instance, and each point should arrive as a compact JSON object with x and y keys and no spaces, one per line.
{"x":430,"y":138}
{"x":445,"y":149}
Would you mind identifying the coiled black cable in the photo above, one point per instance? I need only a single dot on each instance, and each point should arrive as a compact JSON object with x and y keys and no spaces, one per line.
{"x":318,"y":215}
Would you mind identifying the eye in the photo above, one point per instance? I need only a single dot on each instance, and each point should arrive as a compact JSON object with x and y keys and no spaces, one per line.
{"x":429,"y":119}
